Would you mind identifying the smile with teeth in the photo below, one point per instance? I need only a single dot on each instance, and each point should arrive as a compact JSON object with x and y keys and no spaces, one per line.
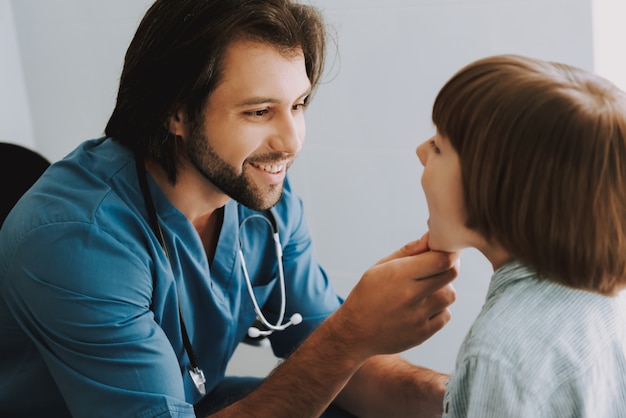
{"x":272,"y":169}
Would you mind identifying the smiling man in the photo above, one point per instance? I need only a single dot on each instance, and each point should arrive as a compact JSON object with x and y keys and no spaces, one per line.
{"x":134,"y":267}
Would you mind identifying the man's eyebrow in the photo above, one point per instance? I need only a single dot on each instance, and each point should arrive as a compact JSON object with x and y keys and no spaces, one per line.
{"x":257,"y":101}
{"x":254,"y":101}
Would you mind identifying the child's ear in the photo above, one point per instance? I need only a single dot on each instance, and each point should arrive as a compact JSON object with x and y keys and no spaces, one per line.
{"x":177,"y":124}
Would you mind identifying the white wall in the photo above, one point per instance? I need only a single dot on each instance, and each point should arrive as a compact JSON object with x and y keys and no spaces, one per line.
{"x":608,"y":35}
{"x":358,"y":173}
{"x":15,"y":120}
{"x":359,"y":176}
{"x":72,"y":54}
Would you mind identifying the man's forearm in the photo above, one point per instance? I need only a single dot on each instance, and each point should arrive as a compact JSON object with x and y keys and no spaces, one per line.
{"x":305,"y":383}
{"x":389,"y":386}
{"x":418,"y":282}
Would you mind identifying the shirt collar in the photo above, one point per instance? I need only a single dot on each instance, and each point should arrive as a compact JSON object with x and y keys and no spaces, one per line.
{"x":506,"y":275}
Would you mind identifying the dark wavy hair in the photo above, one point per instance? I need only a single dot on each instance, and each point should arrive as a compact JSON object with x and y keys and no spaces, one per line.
{"x":542,"y":148}
{"x":175,"y":60}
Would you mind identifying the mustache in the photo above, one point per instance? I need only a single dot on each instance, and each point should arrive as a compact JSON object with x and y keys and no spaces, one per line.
{"x":272,"y":157}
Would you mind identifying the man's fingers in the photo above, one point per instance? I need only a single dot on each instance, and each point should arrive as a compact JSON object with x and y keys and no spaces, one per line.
{"x":412,"y":248}
{"x":435,"y":311}
{"x":435,"y":282}
{"x":433,"y":269}
{"x":439,"y":320}
{"x":440,"y":300}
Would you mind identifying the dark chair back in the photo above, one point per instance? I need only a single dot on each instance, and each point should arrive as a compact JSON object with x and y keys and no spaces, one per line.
{"x":20,"y":167}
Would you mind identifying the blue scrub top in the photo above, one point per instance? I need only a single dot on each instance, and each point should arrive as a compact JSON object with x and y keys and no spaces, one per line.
{"x":83,"y":331}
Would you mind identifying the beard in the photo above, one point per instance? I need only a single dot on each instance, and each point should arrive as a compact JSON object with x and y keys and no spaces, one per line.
{"x":239,"y":186}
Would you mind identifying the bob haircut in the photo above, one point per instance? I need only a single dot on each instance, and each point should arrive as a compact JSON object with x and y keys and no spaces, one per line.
{"x":175,"y":61}
{"x":542,"y":150}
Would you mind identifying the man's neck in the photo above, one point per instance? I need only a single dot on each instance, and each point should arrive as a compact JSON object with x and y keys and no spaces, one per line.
{"x":196,"y":198}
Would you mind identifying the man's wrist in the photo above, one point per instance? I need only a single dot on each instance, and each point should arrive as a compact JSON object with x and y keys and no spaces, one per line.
{"x":343,"y":334}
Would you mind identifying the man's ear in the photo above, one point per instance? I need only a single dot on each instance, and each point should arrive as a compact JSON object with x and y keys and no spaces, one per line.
{"x":177,"y":124}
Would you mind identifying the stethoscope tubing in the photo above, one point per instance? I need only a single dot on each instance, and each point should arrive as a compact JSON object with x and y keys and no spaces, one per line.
{"x":295,"y":319}
{"x":279,"y":325}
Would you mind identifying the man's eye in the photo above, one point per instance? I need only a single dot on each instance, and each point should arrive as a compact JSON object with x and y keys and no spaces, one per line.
{"x":299,"y":106}
{"x":256,"y":113}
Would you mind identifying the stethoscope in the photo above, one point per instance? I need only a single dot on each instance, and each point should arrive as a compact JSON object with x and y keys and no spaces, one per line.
{"x":296,"y":318}
{"x":197,"y":375}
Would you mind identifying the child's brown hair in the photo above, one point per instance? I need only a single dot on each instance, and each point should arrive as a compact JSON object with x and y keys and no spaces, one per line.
{"x":542,"y":148}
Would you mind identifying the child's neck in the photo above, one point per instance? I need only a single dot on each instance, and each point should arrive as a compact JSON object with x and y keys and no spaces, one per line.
{"x":497,"y":255}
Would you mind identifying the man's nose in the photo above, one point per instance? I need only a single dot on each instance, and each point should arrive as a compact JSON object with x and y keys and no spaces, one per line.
{"x":289,"y":134}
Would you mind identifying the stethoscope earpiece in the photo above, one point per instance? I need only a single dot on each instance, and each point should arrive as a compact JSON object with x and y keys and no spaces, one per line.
{"x":296,"y":319}
{"x":254,"y":332}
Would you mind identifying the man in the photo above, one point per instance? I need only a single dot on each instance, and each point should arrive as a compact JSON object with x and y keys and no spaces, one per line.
{"x":124,"y":292}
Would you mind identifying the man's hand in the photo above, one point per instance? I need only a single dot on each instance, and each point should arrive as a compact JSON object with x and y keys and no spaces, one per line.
{"x":399,"y":302}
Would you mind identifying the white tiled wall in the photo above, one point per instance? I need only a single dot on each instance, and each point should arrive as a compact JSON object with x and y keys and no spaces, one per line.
{"x":358,"y":174}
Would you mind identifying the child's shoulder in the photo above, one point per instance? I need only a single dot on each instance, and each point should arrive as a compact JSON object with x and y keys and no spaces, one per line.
{"x":532,"y":324}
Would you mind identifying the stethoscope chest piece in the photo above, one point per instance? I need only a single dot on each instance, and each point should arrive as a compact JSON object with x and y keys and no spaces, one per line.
{"x":197,"y":375}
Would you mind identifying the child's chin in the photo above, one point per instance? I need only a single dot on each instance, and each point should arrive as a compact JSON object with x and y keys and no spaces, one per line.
{"x":434,"y":244}
{"x":438,"y":245}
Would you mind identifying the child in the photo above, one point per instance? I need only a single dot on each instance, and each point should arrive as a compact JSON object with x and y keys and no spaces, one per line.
{"x":528,"y":165}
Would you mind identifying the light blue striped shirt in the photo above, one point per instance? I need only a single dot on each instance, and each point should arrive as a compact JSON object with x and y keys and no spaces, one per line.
{"x":540,"y":349}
